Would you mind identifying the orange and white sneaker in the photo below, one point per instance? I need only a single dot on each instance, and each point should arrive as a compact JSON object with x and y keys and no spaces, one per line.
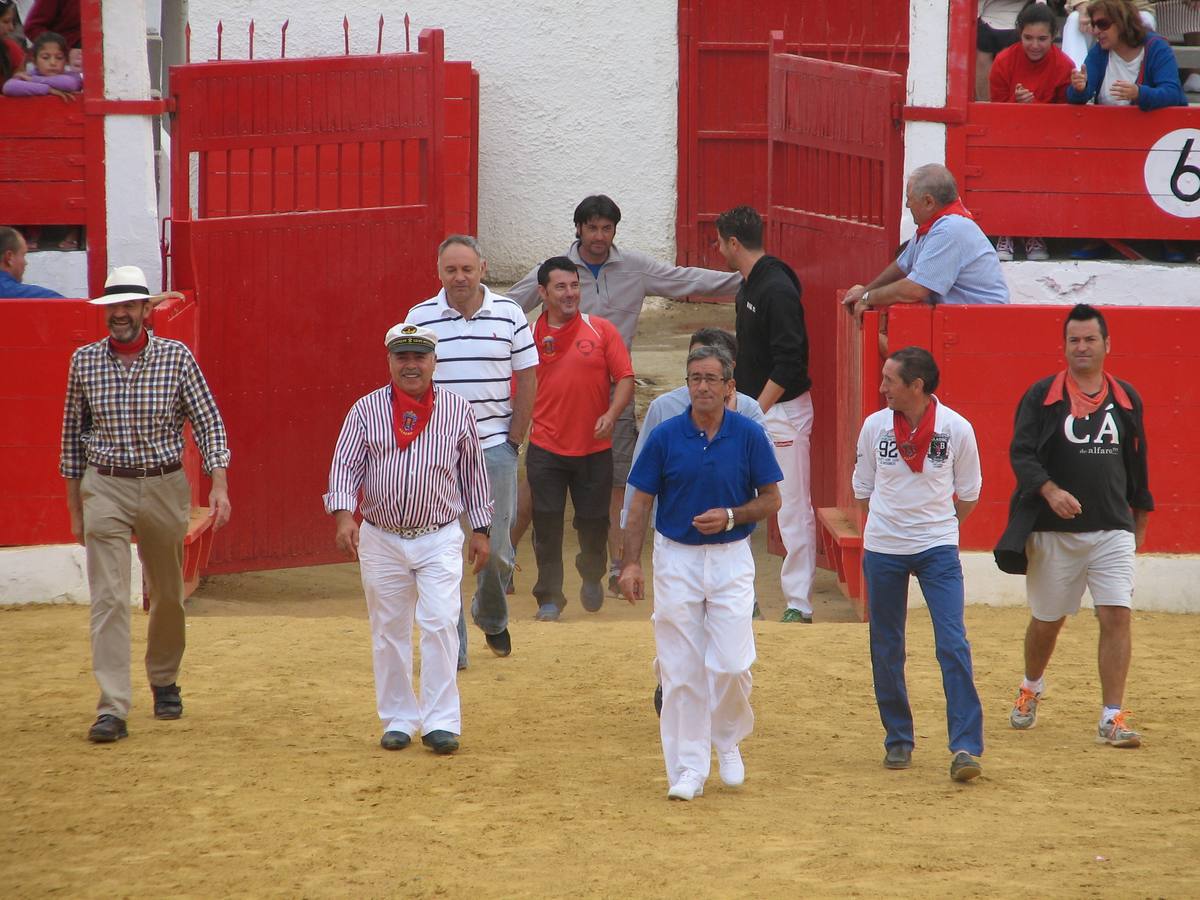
{"x":1024,"y":711}
{"x":1116,"y":733}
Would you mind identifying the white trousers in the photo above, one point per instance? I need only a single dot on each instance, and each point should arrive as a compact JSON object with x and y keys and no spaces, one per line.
{"x":789,"y":425}
{"x":703,"y":601}
{"x":403,"y":579}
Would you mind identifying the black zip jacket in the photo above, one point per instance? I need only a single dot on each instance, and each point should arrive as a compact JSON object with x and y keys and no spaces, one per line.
{"x":772,"y":339}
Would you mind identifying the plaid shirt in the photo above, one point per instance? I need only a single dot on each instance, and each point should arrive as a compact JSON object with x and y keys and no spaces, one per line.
{"x":134,"y":418}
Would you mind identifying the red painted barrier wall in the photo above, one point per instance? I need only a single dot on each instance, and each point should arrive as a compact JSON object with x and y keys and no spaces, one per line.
{"x":37,"y":338}
{"x":989,"y":356}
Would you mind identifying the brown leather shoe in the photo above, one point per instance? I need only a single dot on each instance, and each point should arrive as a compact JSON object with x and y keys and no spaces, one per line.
{"x":167,"y":702}
{"x":107,"y":729}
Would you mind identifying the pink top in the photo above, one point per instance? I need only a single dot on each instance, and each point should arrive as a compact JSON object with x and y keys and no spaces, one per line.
{"x":39,"y":85}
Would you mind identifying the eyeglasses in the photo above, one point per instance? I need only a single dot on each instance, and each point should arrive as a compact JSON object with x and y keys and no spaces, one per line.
{"x":1101,"y":24}
{"x":697,"y":380}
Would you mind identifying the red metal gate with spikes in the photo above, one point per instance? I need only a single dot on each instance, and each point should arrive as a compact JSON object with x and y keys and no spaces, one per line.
{"x":308,"y":199}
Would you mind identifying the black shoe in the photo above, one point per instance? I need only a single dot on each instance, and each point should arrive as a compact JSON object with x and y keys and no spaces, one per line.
{"x":591,"y":595}
{"x":547,"y":612}
{"x":394,"y":740}
{"x":658,"y":701}
{"x":964,"y":766}
{"x":441,"y":741}
{"x":107,"y":729}
{"x":898,"y":757}
{"x":167,"y":702}
{"x":499,"y":643}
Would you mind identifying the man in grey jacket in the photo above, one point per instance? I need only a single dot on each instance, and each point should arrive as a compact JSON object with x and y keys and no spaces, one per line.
{"x":614,"y":284}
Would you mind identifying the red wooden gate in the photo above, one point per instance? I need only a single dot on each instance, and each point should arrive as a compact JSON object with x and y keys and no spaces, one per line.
{"x":835,"y":185}
{"x":307,"y":207}
{"x":723,"y":94}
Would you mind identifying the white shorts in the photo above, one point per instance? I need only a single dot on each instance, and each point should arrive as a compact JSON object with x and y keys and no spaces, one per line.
{"x":1062,"y":564}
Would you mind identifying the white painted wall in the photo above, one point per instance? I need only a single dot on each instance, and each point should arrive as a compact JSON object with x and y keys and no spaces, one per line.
{"x":576,"y":98}
{"x":1102,"y":282}
{"x":52,"y":574}
{"x":925,"y":142}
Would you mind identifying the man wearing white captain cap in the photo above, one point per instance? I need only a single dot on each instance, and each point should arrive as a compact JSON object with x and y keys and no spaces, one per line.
{"x":412,"y":449}
{"x":122,"y":452}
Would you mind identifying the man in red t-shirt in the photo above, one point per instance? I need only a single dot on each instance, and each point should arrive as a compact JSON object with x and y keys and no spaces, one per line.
{"x":570,"y":447}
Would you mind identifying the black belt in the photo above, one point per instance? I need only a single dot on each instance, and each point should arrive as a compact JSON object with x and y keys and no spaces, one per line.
{"x":124,"y":472}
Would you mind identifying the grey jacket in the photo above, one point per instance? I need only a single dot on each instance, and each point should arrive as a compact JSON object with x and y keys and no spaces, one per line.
{"x":626,"y":279}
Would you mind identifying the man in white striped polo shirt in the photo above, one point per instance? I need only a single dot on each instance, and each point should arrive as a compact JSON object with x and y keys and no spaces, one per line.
{"x":413,"y":451}
{"x":483,"y":340}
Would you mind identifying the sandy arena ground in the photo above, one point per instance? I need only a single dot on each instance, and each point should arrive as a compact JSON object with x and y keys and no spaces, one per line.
{"x":273,"y":783}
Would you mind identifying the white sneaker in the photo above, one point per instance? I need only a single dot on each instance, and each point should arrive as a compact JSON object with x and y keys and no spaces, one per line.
{"x":688,"y":787}
{"x":1192,"y":85}
{"x":1035,"y":249}
{"x":733,"y":770}
{"x":1004,"y":248}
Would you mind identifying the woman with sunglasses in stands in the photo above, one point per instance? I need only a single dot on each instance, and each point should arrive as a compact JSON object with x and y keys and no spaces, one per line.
{"x":1128,"y":64}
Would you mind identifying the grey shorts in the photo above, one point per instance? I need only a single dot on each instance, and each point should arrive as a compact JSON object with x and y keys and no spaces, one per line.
{"x":624,"y":438}
{"x":1062,"y":564}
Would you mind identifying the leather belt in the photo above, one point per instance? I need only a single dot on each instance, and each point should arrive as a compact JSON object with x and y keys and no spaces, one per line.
{"x":410,"y":533}
{"x":125,"y":472}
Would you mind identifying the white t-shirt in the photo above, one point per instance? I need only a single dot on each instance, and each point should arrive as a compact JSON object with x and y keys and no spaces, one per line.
{"x":1119,"y":70}
{"x":913,"y":512}
{"x":1000,"y":14}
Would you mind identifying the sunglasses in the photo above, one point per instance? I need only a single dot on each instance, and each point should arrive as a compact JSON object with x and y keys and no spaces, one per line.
{"x":1101,"y":24}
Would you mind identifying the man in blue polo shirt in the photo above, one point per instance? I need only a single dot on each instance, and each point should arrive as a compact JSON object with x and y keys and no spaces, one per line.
{"x":714,"y":474}
{"x":12,"y":268}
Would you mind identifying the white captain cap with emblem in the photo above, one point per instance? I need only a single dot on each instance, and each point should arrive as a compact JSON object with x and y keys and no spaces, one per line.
{"x":410,"y":338}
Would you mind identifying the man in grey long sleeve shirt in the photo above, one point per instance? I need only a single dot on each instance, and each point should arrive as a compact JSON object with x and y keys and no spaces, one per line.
{"x":614,"y":284}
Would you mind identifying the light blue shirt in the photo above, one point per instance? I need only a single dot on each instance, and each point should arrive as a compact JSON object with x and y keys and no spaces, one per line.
{"x":668,"y":406}
{"x":955,"y":262}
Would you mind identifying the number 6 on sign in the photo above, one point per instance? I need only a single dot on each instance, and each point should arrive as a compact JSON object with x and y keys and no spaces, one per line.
{"x":1172,"y":173}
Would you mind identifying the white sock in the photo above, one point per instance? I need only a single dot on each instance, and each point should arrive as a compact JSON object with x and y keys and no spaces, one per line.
{"x":1036,"y":686}
{"x":1108,"y":713}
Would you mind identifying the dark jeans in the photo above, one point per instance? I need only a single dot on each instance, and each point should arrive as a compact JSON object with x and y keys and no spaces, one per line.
{"x":939,"y":573}
{"x":589,"y":479}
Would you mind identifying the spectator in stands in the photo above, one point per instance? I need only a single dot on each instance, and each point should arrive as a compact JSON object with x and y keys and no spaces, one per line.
{"x":58,"y":16}
{"x":995,"y":30}
{"x":12,"y":268}
{"x":1077,"y":38}
{"x":12,"y":53}
{"x":1128,"y":64}
{"x":949,"y":260}
{"x":1032,"y":71}
{"x":1182,"y":17}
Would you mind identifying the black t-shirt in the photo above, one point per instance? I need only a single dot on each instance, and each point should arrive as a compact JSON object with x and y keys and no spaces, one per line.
{"x":1086,"y":459}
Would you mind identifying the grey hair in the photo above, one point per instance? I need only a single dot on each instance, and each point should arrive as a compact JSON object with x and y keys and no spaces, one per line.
{"x":465,"y":240}
{"x":717,"y":353}
{"x":935,"y":180}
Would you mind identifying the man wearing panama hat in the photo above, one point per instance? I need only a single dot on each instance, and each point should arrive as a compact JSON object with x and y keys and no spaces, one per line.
{"x":122,"y":448}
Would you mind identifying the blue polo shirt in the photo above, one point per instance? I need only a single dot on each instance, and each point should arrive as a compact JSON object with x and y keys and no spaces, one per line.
{"x":690,"y":474}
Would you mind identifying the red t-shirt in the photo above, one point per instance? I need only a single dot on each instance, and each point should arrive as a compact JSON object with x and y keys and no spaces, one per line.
{"x":573,"y":388}
{"x":1047,"y":79}
{"x":16,"y":56}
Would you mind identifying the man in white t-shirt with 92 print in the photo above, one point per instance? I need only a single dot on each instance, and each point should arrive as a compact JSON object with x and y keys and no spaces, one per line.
{"x":918,"y":476}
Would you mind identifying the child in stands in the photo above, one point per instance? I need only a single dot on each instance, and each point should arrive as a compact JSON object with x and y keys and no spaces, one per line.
{"x":1032,"y":70}
{"x":48,"y":74}
{"x":12,"y":54}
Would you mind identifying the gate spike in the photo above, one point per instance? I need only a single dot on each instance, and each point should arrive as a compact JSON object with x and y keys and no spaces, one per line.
{"x":220,"y":31}
{"x":862,"y":37}
{"x":379,"y":44}
{"x":800,"y":44}
{"x":283,"y":39}
{"x":407,"y":25}
{"x":187,"y":41}
{"x":892,"y":59}
{"x":828,"y":45}
{"x":346,"y":32}
{"x":252,"y":39}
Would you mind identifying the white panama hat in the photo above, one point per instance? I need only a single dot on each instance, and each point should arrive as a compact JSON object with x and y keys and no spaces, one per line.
{"x":124,"y":283}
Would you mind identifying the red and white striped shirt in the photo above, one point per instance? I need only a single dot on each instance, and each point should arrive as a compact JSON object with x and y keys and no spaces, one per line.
{"x":433,"y":481}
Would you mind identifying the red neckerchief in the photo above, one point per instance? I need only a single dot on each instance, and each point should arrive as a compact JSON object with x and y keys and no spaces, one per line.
{"x":913,"y":443}
{"x":132,"y":348}
{"x":552,"y":343}
{"x":955,"y":208}
{"x":410,"y":415}
{"x":1082,"y":405}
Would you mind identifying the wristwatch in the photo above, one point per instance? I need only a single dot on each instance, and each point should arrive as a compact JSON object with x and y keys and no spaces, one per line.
{"x":729,"y":513}
{"x":514,"y":444}
{"x":485,"y":530}
{"x":866,"y":302}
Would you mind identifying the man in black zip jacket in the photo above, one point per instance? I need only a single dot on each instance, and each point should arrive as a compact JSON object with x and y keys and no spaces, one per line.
{"x":772,"y":365}
{"x":1078,"y":515}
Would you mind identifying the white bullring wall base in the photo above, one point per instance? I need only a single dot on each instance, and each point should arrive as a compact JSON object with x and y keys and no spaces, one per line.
{"x":52,"y":573}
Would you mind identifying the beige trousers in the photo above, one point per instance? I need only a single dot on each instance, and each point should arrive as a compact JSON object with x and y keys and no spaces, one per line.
{"x":156,"y":511}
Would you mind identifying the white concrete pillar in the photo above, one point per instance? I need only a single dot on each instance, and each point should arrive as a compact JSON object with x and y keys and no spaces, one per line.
{"x":928,"y":45}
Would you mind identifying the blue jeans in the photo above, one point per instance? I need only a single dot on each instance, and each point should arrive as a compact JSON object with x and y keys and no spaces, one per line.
{"x":489,"y":608}
{"x":939,"y":573}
